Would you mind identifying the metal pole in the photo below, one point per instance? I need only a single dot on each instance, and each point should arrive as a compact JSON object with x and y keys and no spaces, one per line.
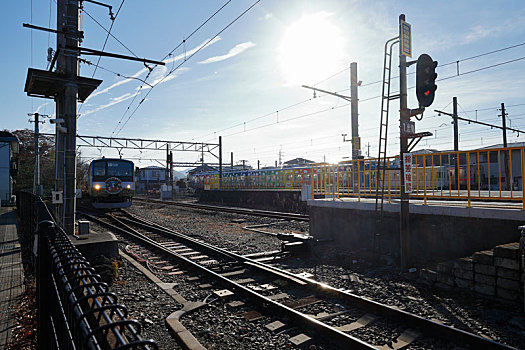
{"x":506,"y":152}
{"x":220,"y":162}
{"x":167,"y":174}
{"x":36,"y":186}
{"x":455,"y":121}
{"x":231,"y":161}
{"x":356,"y":147}
{"x":258,"y":164}
{"x":404,"y":227}
{"x":456,"y":136}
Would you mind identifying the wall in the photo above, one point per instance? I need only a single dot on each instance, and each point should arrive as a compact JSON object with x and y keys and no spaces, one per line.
{"x":276,"y":200}
{"x":436,"y":233}
{"x":5,"y":180}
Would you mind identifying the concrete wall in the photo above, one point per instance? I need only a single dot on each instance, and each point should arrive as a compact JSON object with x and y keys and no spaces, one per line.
{"x":435,"y":234}
{"x":276,"y":200}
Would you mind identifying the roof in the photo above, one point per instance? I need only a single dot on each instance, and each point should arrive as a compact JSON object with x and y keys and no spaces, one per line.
{"x":6,"y":136}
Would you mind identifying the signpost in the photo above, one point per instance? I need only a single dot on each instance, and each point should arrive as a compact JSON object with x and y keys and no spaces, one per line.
{"x":406,"y":39}
{"x":407,"y":171}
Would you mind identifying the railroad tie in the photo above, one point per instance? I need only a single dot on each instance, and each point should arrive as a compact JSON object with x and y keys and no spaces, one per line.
{"x":361,"y":322}
{"x":405,"y":339}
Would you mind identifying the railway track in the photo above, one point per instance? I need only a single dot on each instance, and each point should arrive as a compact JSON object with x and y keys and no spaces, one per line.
{"x":333,"y":314}
{"x":236,"y":210}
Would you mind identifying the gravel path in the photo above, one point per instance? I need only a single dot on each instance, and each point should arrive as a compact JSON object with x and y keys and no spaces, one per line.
{"x":220,"y":327}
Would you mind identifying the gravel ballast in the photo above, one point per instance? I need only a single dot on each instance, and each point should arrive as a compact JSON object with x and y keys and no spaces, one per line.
{"x":220,"y":327}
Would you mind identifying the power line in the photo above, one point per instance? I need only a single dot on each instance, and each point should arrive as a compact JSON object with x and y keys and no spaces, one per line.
{"x":183,"y":42}
{"x":107,"y":37}
{"x":186,"y":59}
{"x":107,"y":31}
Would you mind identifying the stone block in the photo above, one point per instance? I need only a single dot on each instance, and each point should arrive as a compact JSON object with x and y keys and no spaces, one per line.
{"x":489,"y":280}
{"x":489,"y":270}
{"x":507,"y":263}
{"x":484,"y":257}
{"x":464,"y":274}
{"x":508,"y":294}
{"x":464,"y":283}
{"x":428,"y":276}
{"x":445,"y":267}
{"x":465,"y":264}
{"x":485,"y":289}
{"x":446,"y":279}
{"x":508,"y":274}
{"x":509,"y":250}
{"x":508,"y":284}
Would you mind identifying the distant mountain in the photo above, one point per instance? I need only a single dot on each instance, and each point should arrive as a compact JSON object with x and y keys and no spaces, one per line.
{"x":179,"y":174}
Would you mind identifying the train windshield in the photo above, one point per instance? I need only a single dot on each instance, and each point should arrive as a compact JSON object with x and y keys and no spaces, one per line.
{"x":112,"y":168}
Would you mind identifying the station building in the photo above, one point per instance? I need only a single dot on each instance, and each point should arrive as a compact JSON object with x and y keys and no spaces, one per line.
{"x":9,"y":149}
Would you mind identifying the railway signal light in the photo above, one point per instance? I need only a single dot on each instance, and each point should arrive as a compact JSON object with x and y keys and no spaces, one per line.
{"x":426,"y":80}
{"x":170,"y":155}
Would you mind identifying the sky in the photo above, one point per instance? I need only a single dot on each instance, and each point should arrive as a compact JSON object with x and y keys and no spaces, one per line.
{"x":239,"y":74}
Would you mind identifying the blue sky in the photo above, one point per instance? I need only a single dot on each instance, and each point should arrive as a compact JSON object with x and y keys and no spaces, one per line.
{"x":246,"y":83}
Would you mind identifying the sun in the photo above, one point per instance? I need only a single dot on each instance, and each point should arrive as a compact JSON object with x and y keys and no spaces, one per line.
{"x":311,"y":49}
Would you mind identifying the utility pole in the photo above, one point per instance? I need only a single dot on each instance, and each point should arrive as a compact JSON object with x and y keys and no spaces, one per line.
{"x":354,"y":111}
{"x":506,"y":152}
{"x":404,"y":117}
{"x":67,"y":18}
{"x":455,"y":121}
{"x":36,"y":179}
{"x":258,"y":164}
{"x":220,"y":162}
{"x":368,"y":151}
{"x":231,"y":162}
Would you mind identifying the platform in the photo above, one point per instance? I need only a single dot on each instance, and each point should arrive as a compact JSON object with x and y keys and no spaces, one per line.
{"x":11,"y":273}
{"x":439,"y":230}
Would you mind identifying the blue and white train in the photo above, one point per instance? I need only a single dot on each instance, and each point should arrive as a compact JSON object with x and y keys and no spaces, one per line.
{"x":111,"y":183}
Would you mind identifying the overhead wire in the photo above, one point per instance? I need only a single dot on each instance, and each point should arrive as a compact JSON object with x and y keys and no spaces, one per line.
{"x":168,"y":55}
{"x":185,"y":60}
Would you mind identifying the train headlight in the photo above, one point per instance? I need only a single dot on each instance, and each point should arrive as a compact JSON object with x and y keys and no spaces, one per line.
{"x":128,"y":187}
{"x":97,"y":187}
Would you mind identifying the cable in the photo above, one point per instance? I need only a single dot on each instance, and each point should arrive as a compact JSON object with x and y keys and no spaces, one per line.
{"x":107,"y":31}
{"x":107,"y":37}
{"x":185,"y":60}
{"x":169,"y":54}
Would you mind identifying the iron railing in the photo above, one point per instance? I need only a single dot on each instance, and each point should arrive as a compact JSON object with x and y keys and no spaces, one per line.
{"x":484,"y":175}
{"x":76,"y":310}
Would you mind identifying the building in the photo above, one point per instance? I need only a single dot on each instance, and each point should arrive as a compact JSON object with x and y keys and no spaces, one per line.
{"x":150,"y":179}
{"x":297,"y":162}
{"x":8,"y":165}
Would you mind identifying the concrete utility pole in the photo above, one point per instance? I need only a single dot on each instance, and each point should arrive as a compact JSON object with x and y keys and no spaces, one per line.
{"x":354,"y":111}
{"x":505,"y":153}
{"x":67,"y":20}
{"x":455,"y":121}
{"x":36,"y":180}
{"x":220,"y":162}
{"x":404,"y":117}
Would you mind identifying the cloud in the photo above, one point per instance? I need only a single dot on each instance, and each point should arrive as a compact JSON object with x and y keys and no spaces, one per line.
{"x":113,"y":101}
{"x":182,"y":56}
{"x":239,"y":48}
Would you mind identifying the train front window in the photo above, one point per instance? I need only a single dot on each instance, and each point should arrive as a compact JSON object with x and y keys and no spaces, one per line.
{"x":105,"y":169}
{"x":120,"y":169}
{"x":99,"y":169}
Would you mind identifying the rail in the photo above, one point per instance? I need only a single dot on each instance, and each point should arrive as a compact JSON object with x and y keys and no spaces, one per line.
{"x":75,"y":309}
{"x":476,"y":175}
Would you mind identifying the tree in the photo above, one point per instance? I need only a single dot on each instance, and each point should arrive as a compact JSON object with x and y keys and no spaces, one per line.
{"x":26,"y":160}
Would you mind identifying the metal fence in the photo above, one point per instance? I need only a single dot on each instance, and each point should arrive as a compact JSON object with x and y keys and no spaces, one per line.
{"x":75,"y":309}
{"x":484,"y":175}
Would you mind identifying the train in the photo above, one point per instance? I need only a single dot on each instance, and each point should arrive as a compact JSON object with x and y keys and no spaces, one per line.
{"x":482,"y":170}
{"x":111,"y":183}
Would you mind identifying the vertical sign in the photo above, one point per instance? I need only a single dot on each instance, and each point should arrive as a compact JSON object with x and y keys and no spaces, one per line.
{"x":407,"y":171}
{"x":406,"y":39}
